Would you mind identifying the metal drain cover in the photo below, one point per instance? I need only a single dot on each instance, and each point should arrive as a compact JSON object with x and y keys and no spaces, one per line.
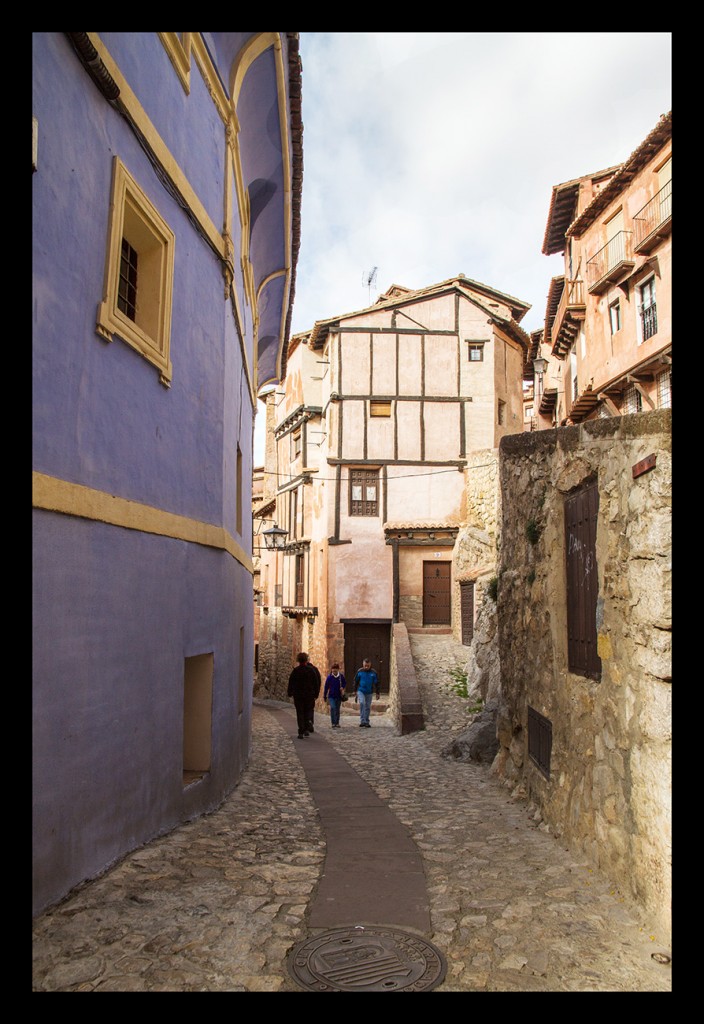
{"x":367,"y":960}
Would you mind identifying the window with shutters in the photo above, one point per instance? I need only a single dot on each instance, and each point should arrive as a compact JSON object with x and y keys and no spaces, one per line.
{"x":615,"y":316}
{"x":364,"y":492}
{"x":295,"y":445}
{"x":379,"y":408}
{"x":539,"y":740}
{"x":300,"y":579}
{"x":581,"y":513}
{"x":467,"y":611}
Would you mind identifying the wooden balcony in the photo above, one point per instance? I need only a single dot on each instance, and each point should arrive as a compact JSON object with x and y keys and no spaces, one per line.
{"x":653,"y":222}
{"x":570,"y":312}
{"x":611,"y":263}
{"x":583,"y":403}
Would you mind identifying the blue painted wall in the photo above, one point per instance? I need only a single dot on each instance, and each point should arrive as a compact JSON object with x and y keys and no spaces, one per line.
{"x":116,"y":611}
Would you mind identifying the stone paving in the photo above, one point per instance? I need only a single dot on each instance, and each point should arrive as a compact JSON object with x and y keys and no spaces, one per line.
{"x":218,"y":904}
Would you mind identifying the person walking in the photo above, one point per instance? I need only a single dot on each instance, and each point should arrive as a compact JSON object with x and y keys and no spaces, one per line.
{"x":334,"y":688}
{"x":366,"y":682}
{"x":304,"y":687}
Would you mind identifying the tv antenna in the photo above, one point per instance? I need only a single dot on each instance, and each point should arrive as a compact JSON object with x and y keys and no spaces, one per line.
{"x":370,"y":281}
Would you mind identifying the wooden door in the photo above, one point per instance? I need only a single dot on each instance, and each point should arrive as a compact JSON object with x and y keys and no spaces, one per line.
{"x":467,"y":611}
{"x":368,"y":640}
{"x":581,"y":516}
{"x":436,"y":593}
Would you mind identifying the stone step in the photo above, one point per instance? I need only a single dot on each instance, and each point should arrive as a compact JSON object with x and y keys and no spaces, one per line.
{"x":431,"y":630}
{"x":379,"y":707}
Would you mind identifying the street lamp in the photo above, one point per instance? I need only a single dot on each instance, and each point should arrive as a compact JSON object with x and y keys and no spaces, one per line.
{"x":540,"y":365}
{"x":274,"y":537}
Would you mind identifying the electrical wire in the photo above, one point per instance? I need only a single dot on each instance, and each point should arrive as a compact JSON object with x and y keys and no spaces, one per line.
{"x":406,"y":476}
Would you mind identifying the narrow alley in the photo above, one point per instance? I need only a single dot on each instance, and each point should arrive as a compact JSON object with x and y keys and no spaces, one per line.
{"x":219,"y":904}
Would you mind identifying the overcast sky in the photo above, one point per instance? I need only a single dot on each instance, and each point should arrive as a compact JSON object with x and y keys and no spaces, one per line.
{"x":427,"y":155}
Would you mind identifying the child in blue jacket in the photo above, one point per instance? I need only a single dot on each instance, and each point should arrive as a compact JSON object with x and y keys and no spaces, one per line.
{"x":334,"y":688}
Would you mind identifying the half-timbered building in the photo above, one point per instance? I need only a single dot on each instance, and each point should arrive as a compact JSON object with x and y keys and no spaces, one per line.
{"x":376,"y":416}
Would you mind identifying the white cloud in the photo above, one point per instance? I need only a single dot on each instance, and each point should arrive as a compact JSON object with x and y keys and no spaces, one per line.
{"x":431,"y":154}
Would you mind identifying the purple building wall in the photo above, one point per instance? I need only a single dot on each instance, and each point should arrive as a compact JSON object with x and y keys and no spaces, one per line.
{"x":117,"y":609}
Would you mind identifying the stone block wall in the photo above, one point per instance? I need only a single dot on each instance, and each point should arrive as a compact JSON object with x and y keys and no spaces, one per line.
{"x":477,"y":545}
{"x":410,"y":610}
{"x":405,"y":705}
{"x":608,"y":793}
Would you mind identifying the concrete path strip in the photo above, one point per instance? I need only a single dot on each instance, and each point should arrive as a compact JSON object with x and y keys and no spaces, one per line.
{"x":373,"y":873}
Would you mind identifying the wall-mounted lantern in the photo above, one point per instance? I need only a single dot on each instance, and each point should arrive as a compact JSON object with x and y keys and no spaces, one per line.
{"x":274,"y":537}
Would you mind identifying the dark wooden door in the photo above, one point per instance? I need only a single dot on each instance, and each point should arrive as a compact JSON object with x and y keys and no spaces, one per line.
{"x":436,"y":593}
{"x":367,"y":640}
{"x":467,"y":611}
{"x":581,"y":515}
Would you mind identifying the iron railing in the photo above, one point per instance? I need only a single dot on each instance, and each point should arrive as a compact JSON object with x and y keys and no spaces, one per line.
{"x":649,"y":320}
{"x":653,"y":214}
{"x":616,"y":251}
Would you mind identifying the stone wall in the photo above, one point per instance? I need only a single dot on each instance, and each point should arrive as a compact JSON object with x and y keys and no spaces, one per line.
{"x":608,"y":793}
{"x":279,"y":643}
{"x":410,"y":610}
{"x":405,"y":704}
{"x":476,"y":548}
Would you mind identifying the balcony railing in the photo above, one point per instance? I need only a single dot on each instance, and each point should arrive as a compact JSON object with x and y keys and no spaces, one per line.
{"x":653,"y":221}
{"x":649,"y":320}
{"x":570,"y":309}
{"x":610,"y":263}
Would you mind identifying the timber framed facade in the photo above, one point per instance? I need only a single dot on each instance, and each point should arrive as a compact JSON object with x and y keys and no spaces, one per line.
{"x":391,"y":401}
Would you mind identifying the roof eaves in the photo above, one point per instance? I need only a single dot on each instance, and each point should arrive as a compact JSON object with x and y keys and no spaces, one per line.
{"x":294,"y":87}
{"x":563,"y":206}
{"x":656,"y":139}
{"x":459,"y":283}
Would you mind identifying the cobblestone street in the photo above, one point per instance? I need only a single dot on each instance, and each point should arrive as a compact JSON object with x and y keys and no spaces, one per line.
{"x":218,"y":904}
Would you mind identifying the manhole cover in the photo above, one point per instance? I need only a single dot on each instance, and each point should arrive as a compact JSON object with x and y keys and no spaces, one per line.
{"x":367,"y":960}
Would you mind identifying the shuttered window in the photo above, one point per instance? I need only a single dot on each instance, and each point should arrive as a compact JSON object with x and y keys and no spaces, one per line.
{"x":467,"y":612}
{"x":539,"y":740}
{"x":364,"y":492}
{"x":581,"y":512}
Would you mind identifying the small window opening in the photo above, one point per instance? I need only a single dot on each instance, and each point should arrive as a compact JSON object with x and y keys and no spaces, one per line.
{"x":197,"y":716}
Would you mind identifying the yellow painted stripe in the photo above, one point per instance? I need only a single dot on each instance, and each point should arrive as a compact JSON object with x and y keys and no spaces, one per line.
{"x":138,"y":114}
{"x":55,"y":495}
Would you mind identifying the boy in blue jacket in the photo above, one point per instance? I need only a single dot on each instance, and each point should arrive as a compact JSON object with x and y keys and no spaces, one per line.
{"x":366,"y":683}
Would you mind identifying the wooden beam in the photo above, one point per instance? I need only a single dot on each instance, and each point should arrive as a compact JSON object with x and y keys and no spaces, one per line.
{"x":609,"y":404}
{"x":644,"y":394}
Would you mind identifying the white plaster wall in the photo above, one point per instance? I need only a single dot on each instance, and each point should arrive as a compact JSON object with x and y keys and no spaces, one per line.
{"x":408,"y":429}
{"x":361,"y":579}
{"x":384,"y":364}
{"x":409,"y":370}
{"x":441,"y":365}
{"x":354,"y":414}
{"x":380,"y":436}
{"x":442,"y":430}
{"x":355,"y":369}
{"x":423,"y":493}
